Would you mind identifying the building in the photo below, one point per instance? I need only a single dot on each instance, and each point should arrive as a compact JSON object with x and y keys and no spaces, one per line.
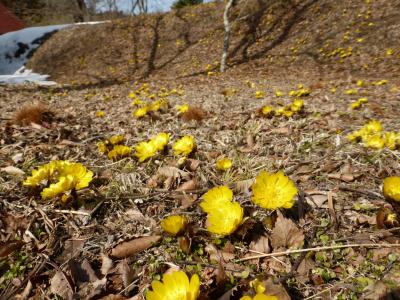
{"x":8,"y":21}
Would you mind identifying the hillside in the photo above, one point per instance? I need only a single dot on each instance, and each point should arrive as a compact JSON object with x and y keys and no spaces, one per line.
{"x":278,"y":179}
{"x":324,"y":37}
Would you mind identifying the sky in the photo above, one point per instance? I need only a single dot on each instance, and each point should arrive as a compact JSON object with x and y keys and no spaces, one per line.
{"x":154,"y":5}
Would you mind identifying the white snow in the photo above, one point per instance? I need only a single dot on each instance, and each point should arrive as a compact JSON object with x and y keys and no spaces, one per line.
{"x":16,"y":46}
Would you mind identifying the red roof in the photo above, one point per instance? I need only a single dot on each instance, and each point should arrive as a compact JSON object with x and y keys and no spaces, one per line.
{"x":8,"y":21}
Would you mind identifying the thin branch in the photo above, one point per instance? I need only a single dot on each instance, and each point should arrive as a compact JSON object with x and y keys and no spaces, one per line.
{"x":288,"y":252}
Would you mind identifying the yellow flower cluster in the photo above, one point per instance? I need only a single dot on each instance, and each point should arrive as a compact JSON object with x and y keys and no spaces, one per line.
{"x":174,"y":224}
{"x":145,"y":150}
{"x":391,"y":188}
{"x":300,"y":92}
{"x":182,"y":108}
{"x":359,"y":103}
{"x":224,"y":215}
{"x":260,"y":94}
{"x":372,"y":136}
{"x":224,"y":164}
{"x":175,"y":286}
{"x":147,"y":102}
{"x":295,"y":107}
{"x":184,"y":146}
{"x":59,"y":177}
{"x":273,"y":191}
{"x":113,"y":147}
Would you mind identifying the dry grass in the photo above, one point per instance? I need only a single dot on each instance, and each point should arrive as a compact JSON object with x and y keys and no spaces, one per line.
{"x":37,"y":113}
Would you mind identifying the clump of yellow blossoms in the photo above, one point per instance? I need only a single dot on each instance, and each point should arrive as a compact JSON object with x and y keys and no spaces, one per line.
{"x":260,"y":94}
{"x":224,"y":215}
{"x":175,"y":286}
{"x":100,"y":114}
{"x":174,"y":224}
{"x":273,"y":191}
{"x":184,"y":146}
{"x":145,"y":150}
{"x":300,"y":92}
{"x":141,"y":112}
{"x":295,"y":107}
{"x":391,"y":188}
{"x":359,"y":103}
{"x":372,"y":136}
{"x":59,"y":178}
{"x":113,"y":147}
{"x":224,"y":164}
{"x":119,"y":151}
{"x":182,"y":108}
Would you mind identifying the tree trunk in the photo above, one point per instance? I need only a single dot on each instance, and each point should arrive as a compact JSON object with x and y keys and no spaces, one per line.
{"x":227,"y":36}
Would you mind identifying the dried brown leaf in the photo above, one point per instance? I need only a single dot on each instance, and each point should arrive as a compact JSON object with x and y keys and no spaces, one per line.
{"x":9,"y":247}
{"x":188,"y":185}
{"x":106,"y":264}
{"x":59,"y":285}
{"x":286,"y":234}
{"x":127,"y":249}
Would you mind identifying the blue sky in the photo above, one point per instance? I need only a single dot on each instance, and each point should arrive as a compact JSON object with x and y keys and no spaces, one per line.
{"x":154,"y":5}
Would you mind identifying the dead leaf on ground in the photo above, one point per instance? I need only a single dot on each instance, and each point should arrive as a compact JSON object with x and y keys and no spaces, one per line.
{"x":286,"y":234}
{"x":60,"y":286}
{"x":243,"y":186}
{"x":9,"y":247}
{"x":127,"y":273}
{"x":376,"y":290}
{"x":106,"y":264}
{"x":14,"y":171}
{"x":175,"y":173}
{"x":217,"y":255}
{"x":188,"y":185}
{"x":306,"y":265}
{"x":276,"y":290}
{"x":127,"y":249}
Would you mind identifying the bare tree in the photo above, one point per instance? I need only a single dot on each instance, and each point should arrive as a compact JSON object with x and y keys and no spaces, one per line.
{"x":227,"y":36}
{"x":140,"y":6}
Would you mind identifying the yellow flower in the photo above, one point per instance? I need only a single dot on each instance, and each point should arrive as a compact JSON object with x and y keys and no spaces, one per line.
{"x":64,"y":185}
{"x":297,"y":105}
{"x":360,"y":83}
{"x":273,"y":191}
{"x":373,"y":126}
{"x":224,"y":164}
{"x":119,"y":151}
{"x":82,"y":177}
{"x":182,"y":108}
{"x":174,"y":224}
{"x":116,"y":139}
{"x":355,"y":105}
{"x":259,"y":297}
{"x":42,"y":175}
{"x":100,"y":114}
{"x":278,"y":93}
{"x":175,"y":286}
{"x":287,"y":112}
{"x":224,"y":216}
{"x":333,"y":90}
{"x":351,"y":92}
{"x":101,"y":146}
{"x":391,"y":188}
{"x":145,"y":150}
{"x":184,"y":146}
{"x":391,"y":140}
{"x":140,"y":112}
{"x":160,"y":140}
{"x":137,"y":102}
{"x":214,"y":197}
{"x":69,"y":175}
{"x":374,"y":141}
{"x":380,"y":82}
{"x":260,"y":94}
{"x":267,"y":110}
{"x":389,"y":51}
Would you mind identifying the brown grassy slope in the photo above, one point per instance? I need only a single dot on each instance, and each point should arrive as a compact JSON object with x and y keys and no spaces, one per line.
{"x":309,"y":35}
